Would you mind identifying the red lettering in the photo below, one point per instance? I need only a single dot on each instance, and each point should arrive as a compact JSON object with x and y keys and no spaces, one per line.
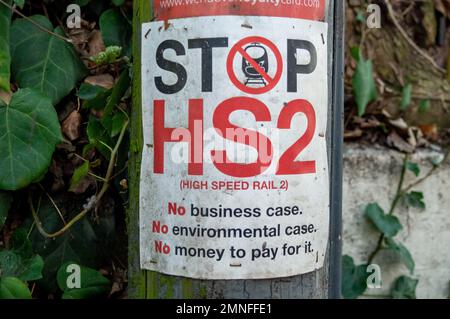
{"x":192,"y":135}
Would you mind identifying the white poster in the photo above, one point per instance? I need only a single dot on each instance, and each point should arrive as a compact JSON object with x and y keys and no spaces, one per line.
{"x":234,"y":175}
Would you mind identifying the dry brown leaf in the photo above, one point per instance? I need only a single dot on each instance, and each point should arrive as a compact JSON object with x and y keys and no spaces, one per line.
{"x":57,"y":172}
{"x":83,"y":185}
{"x":104,"y":80}
{"x":396,"y":141}
{"x":353,"y":134}
{"x":95,"y":44}
{"x":399,"y":123}
{"x":430,"y":132}
{"x":71,"y":126}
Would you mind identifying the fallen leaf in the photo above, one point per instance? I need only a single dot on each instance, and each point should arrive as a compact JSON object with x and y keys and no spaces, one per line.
{"x":83,"y":185}
{"x":104,"y":80}
{"x":58,"y":174}
{"x":399,"y":123}
{"x":353,"y":134}
{"x":396,"y":141}
{"x":430,"y":131}
{"x":71,"y":126}
{"x":96,"y":44}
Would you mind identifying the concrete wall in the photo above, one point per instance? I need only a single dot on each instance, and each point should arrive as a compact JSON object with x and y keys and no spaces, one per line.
{"x":371,"y":174}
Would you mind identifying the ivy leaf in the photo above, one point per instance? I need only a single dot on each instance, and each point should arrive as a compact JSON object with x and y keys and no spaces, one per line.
{"x":404,"y":288}
{"x":87,"y":242}
{"x":355,"y":52}
{"x":88,"y":91}
{"x":415,"y":199}
{"x":5,"y":205}
{"x":29,"y":132}
{"x":354,"y":278}
{"x":116,"y":30}
{"x":363,"y":83}
{"x":406,"y":97}
{"x":99,"y":101}
{"x":99,"y":136}
{"x":43,"y":61}
{"x":118,"y":121}
{"x":92,"y":283}
{"x":12,"y":264}
{"x":402,"y":252}
{"x":119,"y":90}
{"x":413,"y":167}
{"x":387,"y":224}
{"x":20,"y":261}
{"x":424,"y":106}
{"x":5,"y":56}
{"x":78,"y":175}
{"x":13,"y":288}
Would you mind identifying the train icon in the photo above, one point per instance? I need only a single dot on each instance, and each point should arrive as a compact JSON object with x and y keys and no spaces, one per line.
{"x":259,"y":54}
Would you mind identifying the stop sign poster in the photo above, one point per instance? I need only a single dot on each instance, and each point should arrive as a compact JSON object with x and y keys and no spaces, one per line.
{"x":234,"y":173}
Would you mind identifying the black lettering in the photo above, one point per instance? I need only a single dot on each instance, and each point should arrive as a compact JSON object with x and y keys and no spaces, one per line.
{"x":292,"y":66}
{"x":207,"y":44}
{"x":170,"y":66}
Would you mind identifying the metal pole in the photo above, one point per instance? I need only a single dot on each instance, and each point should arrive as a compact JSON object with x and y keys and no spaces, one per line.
{"x":323,"y":283}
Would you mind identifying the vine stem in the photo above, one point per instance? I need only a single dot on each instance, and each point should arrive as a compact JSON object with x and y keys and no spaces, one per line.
{"x":431,"y":172}
{"x":397,"y":197}
{"x":399,"y":194}
{"x":94,"y":200}
{"x":37,"y":25}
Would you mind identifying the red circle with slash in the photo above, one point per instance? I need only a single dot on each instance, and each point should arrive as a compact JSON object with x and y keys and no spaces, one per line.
{"x":239,"y":48}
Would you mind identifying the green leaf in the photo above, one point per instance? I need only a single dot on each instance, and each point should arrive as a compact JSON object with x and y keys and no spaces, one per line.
{"x":5,"y":205}
{"x":88,"y":91}
{"x":119,"y":90}
{"x":20,"y":3}
{"x":406,"y":97}
{"x":404,"y":288}
{"x":415,"y":199}
{"x":29,"y":132}
{"x":363,"y":83}
{"x":43,"y":61}
{"x":20,"y":261}
{"x":424,"y":106}
{"x":355,"y":52}
{"x":354,"y":278}
{"x":99,"y":101}
{"x":5,"y":56}
{"x":413,"y":167}
{"x":387,"y":224}
{"x":78,"y":175}
{"x":92,"y":283}
{"x":99,"y":136}
{"x":118,"y":122}
{"x":402,"y":252}
{"x":116,"y":30}
{"x":13,"y":288}
{"x":87,"y":242}
{"x":32,"y":268}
